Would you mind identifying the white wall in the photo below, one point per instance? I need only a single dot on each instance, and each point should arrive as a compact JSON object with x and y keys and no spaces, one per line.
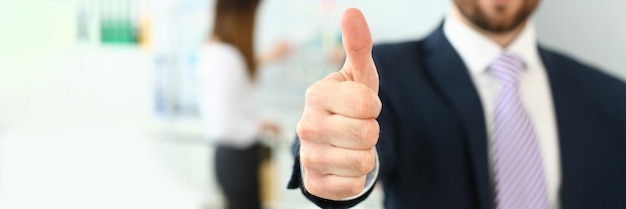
{"x":76,"y":123}
{"x":35,"y":24}
{"x":593,"y":31}
{"x":388,"y":20}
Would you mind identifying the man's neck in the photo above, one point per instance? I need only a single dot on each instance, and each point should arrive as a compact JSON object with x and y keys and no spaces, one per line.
{"x":502,"y":39}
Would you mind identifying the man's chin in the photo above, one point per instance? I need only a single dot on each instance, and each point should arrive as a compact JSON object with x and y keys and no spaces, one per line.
{"x":497,"y":27}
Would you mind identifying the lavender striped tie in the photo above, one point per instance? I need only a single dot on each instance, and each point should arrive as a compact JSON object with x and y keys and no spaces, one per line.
{"x":518,"y":166}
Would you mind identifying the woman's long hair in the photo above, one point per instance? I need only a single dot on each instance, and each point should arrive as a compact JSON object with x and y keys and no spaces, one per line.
{"x":234,"y":24}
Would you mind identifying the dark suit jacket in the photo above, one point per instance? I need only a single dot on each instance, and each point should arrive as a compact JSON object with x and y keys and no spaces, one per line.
{"x":433,"y":142}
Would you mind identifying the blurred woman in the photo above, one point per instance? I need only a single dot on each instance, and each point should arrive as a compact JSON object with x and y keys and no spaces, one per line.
{"x":227,"y":94}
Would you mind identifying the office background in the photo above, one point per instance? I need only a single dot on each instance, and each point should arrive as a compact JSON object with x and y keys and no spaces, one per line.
{"x":96,"y":96}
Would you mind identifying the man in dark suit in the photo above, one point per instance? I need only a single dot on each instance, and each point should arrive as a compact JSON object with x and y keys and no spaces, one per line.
{"x":476,"y":115}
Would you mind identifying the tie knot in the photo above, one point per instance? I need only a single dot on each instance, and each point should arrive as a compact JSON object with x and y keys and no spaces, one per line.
{"x":508,"y":68}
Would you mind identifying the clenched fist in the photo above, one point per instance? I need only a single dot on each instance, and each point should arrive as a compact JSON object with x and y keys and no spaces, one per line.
{"x":338,"y":128}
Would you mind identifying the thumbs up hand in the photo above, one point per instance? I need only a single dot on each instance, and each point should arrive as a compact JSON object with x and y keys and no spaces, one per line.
{"x":338,"y":129}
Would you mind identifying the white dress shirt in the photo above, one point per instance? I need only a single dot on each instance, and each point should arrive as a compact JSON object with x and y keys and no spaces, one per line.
{"x":227,"y":96}
{"x":477,"y":52}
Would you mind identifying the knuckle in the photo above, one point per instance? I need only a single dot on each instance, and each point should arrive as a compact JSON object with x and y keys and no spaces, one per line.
{"x":370,"y":162}
{"x":378,"y":105}
{"x":364,"y":103}
{"x":359,"y":165}
{"x":374,"y":133}
{"x":315,"y":161}
{"x":307,"y":129}
{"x":367,"y":163}
{"x":308,"y":160}
{"x":309,"y":95}
{"x":304,"y":130}
{"x":313,"y":184}
{"x":355,"y":187}
{"x":363,"y":136}
{"x":369,"y":133}
{"x":322,"y":186}
{"x":313,"y":95}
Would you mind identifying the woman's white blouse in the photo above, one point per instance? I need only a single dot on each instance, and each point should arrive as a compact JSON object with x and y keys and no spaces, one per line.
{"x":227,"y":96}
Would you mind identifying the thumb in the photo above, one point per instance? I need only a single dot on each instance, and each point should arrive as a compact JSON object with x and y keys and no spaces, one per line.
{"x":357,"y":42}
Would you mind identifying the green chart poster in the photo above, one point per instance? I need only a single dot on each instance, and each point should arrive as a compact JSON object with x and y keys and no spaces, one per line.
{"x":118,"y":22}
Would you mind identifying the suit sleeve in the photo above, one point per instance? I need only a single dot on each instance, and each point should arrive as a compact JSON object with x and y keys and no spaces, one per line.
{"x":390,"y":127}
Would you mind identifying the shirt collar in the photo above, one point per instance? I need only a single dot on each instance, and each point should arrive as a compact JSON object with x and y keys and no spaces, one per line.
{"x":477,"y":51}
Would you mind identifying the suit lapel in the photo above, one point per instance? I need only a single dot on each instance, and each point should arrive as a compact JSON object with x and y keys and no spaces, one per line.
{"x":569,"y":122}
{"x":453,"y":81}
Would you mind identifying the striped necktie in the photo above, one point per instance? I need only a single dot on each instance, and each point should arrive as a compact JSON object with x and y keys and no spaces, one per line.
{"x":518,"y":167}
